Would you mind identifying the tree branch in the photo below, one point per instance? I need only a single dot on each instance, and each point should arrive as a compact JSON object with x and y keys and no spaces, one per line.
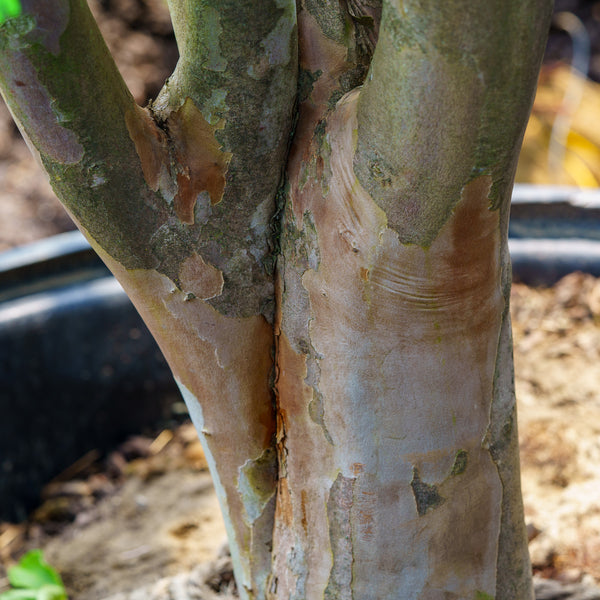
{"x":442,"y":105}
{"x":68,"y":98}
{"x":238,"y":66}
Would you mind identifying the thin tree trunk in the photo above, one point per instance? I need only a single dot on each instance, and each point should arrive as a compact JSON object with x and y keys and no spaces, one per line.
{"x":355,"y":400}
{"x":398,"y":449}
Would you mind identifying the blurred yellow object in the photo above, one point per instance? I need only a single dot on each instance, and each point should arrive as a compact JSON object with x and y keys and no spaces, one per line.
{"x":575,"y":160}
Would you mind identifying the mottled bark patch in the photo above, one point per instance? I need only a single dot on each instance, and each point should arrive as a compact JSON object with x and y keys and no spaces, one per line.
{"x":30,"y":101}
{"x":339,"y":506}
{"x":52,"y":20}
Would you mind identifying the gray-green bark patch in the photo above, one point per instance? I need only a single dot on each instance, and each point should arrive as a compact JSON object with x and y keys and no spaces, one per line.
{"x":443,"y":106}
{"x":256,"y":483}
{"x":316,"y":410}
{"x":331,"y":19}
{"x":339,"y":506}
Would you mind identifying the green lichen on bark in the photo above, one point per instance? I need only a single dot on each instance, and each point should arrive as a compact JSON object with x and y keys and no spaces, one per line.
{"x":256,"y":483}
{"x":13,"y":28}
{"x":461,"y":461}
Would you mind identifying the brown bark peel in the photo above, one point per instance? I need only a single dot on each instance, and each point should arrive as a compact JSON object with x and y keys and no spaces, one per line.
{"x":198,"y":152}
{"x":198,"y":163}
{"x":404,"y":342}
{"x":150,"y":144}
{"x":199,"y":279}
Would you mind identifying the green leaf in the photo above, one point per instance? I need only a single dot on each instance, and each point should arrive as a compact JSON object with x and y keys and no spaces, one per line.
{"x":46,"y":592}
{"x":51,"y":592}
{"x":33,"y":572}
{"x":9,"y":9}
{"x":19,"y":595}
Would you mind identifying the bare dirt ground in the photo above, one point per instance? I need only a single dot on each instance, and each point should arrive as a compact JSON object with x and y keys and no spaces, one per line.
{"x":114,"y":524}
{"x":557,"y":366}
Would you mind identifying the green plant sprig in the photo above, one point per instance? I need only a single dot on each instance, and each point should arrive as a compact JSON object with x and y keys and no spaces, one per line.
{"x":34,"y":579}
{"x":9,"y":9}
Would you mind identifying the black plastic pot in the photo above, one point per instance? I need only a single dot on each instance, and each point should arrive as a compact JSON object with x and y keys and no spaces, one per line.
{"x":79,"y":370}
{"x":554,"y":231}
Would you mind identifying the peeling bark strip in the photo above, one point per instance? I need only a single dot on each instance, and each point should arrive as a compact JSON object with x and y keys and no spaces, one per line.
{"x":189,"y":153}
{"x":150,"y":144}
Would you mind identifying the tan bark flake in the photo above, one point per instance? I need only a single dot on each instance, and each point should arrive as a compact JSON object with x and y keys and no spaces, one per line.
{"x":199,"y":157}
{"x":199,"y":278}
{"x":150,"y":144}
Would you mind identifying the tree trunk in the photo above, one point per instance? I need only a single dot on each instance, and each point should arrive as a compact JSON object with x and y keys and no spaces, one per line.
{"x":335,"y":311}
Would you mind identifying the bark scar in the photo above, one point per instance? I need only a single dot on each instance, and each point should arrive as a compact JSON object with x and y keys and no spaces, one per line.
{"x":427,"y":496}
